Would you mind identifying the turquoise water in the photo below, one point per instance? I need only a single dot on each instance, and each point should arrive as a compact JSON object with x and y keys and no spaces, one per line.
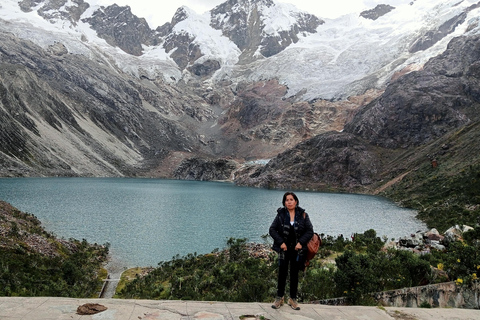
{"x":151,"y":220}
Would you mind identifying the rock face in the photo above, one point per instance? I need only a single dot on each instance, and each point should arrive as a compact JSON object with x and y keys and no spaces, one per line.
{"x":56,"y":10}
{"x":442,"y":295}
{"x":184,"y":51}
{"x":243,"y":22}
{"x":422,"y":106}
{"x":432,"y":37}
{"x":205,"y":69}
{"x":379,"y":11}
{"x":414,"y":111}
{"x":104,"y":122}
{"x":203,"y":170}
{"x":120,"y":28}
{"x":260,"y":121}
{"x":333,"y":158}
{"x":117,"y":25}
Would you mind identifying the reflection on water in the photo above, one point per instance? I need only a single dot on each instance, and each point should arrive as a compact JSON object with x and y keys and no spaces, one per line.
{"x":151,"y":220}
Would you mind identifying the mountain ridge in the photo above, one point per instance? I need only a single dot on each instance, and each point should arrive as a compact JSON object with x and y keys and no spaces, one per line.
{"x":424,"y":25}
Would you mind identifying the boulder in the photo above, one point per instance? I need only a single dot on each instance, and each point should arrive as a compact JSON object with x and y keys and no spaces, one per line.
{"x":197,"y":168}
{"x":423,"y":242}
{"x":434,"y":235}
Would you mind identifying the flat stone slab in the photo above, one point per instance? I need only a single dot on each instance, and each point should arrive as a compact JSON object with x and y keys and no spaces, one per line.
{"x":48,"y":308}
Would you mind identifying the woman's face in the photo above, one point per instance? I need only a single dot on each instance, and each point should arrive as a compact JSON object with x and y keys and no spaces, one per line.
{"x":290,"y":202}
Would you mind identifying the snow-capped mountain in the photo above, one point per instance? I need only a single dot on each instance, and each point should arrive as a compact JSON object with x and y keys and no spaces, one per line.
{"x":251,"y":40}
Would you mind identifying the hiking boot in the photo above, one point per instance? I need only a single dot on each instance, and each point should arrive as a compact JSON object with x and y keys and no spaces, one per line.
{"x":293,"y":303}
{"x":277,"y":303}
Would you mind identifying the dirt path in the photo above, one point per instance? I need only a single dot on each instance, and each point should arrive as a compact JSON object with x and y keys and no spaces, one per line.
{"x":391,"y":182}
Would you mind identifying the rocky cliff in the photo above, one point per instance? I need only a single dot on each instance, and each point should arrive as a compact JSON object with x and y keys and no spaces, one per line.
{"x":422,"y":116}
{"x":243,"y":22}
{"x":64,"y":114}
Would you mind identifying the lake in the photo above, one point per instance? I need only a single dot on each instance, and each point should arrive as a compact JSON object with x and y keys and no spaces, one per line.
{"x":151,"y":220}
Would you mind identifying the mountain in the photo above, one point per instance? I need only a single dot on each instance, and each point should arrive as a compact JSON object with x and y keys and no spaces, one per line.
{"x":88,"y":90}
{"x":417,"y":111}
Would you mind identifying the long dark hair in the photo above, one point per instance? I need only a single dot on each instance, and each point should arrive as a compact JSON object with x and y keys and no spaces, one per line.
{"x":290,"y":194}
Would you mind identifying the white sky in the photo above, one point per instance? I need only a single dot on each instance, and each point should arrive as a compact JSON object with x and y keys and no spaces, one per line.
{"x":157,"y":13}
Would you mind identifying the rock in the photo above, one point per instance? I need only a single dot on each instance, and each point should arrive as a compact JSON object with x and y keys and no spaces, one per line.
{"x":206,"y":68}
{"x":121,"y":28}
{"x":91,"y":113}
{"x":431,"y":37}
{"x":436,"y":245}
{"x":423,"y":242}
{"x":205,"y":170}
{"x":334,"y":159}
{"x":379,"y":11}
{"x":413,"y":112}
{"x":434,"y":235}
{"x":453,"y":234}
{"x":410,"y":242}
{"x":56,"y":143}
{"x":408,"y":115}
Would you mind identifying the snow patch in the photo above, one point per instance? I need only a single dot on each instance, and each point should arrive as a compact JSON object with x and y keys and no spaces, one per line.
{"x":212,"y":43}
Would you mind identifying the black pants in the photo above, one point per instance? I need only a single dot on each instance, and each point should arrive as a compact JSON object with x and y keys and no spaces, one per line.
{"x":289,"y":260}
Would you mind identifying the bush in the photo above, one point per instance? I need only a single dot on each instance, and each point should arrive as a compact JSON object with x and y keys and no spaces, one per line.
{"x":461,"y":259}
{"x":317,"y":282}
{"x":443,"y":199}
{"x":31,"y":274}
{"x":362,"y":269}
{"x":230,"y":275}
{"x":358,"y":274}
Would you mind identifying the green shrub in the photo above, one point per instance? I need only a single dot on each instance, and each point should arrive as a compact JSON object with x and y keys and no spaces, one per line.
{"x":24,"y":273}
{"x":461,"y":259}
{"x":358,"y":274}
{"x":226,"y":276}
{"x":317,"y":282}
{"x":425,"y":304}
{"x":361,"y":269}
{"x":442,"y":198}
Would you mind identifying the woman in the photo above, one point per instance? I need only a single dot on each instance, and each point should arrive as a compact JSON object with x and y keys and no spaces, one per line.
{"x":291,"y":230}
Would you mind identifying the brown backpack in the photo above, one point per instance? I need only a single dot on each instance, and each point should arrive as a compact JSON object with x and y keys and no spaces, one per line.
{"x":312,"y":248}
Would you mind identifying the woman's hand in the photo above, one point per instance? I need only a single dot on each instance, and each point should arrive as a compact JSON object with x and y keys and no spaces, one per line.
{"x":283,"y":247}
{"x":298,"y":246}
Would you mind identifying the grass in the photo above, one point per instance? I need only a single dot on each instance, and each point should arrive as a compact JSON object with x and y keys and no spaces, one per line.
{"x":129,"y":275}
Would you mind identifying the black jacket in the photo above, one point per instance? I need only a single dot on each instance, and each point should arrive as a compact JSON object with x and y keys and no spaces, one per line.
{"x":281,"y":224}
